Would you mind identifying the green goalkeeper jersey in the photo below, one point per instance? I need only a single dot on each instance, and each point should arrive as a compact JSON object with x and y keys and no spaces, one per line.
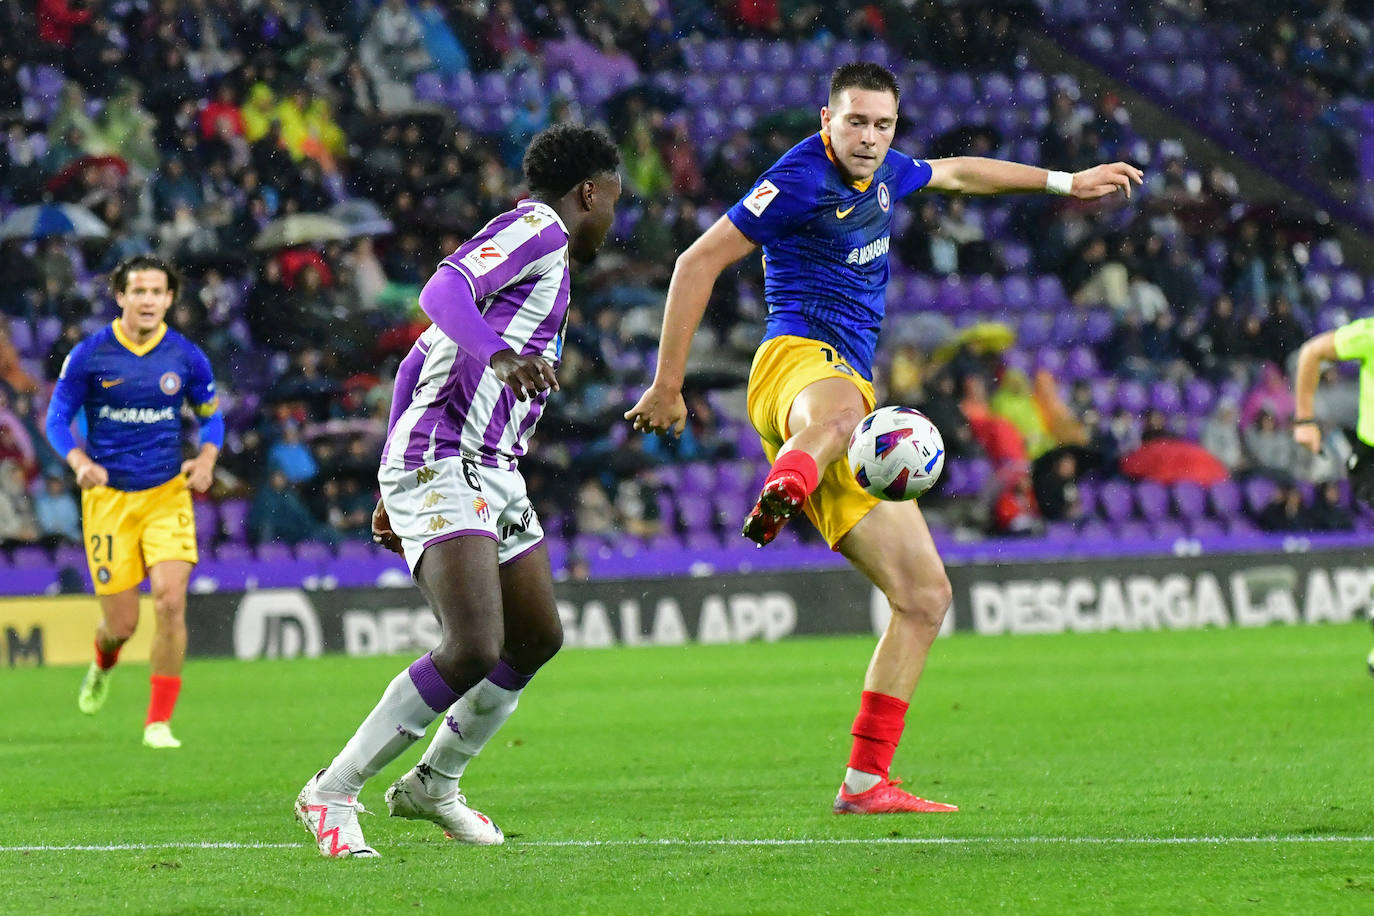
{"x":1356,"y":341}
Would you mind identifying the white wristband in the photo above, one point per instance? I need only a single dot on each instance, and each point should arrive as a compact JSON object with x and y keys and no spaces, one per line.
{"x":1059,"y":182}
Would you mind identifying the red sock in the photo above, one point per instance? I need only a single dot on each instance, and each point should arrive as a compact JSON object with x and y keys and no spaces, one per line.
{"x":106,"y":658}
{"x":877,"y":729}
{"x":164,"y":697}
{"x":799,"y":466}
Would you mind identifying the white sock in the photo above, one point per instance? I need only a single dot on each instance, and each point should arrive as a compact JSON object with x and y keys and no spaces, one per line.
{"x":466,"y":729}
{"x":856,"y":781}
{"x":397,"y":721}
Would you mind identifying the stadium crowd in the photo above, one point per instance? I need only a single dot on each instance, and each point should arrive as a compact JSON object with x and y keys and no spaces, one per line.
{"x":308,"y":164}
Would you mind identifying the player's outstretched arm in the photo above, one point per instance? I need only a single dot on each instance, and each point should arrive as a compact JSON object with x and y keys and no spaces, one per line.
{"x":976,"y":175}
{"x":1306,"y":375}
{"x":694,"y":275}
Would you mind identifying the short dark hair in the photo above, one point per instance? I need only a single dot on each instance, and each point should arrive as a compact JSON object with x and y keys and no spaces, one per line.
{"x":565,"y":154}
{"x":120,"y":277}
{"x":863,"y":75}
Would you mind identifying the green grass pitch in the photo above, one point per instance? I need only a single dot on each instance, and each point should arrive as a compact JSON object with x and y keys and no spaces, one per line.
{"x":1214,"y":771}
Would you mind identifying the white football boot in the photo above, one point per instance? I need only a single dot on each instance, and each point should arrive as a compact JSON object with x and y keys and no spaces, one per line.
{"x":332,"y":819}
{"x":410,"y":797}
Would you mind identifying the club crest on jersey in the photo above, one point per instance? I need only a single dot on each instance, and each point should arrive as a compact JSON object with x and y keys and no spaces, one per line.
{"x":170,"y":383}
{"x":484,"y":257}
{"x":479,"y":505}
{"x":759,"y":198}
{"x":884,"y":198}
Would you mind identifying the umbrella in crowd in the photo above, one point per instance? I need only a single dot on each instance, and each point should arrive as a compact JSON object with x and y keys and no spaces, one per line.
{"x":43,"y":220}
{"x":77,"y":167}
{"x":39,"y":221}
{"x":300,"y":229}
{"x":361,"y":217}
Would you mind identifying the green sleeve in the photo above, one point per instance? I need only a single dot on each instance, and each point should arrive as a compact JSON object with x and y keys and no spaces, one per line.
{"x":1355,"y":340}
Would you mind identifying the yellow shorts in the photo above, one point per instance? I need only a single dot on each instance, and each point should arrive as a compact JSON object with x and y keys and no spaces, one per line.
{"x":127,"y":532}
{"x":782,"y":367}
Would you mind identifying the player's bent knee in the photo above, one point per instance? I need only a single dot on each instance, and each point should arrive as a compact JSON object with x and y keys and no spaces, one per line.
{"x":925,"y":605}
{"x":462,"y":665}
{"x":533,"y":650}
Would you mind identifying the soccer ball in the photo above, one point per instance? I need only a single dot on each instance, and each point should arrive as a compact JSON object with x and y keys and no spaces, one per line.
{"x":896,"y":453}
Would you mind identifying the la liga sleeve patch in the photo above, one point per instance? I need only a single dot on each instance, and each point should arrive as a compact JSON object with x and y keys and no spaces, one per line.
{"x":484,"y":258}
{"x":759,"y":198}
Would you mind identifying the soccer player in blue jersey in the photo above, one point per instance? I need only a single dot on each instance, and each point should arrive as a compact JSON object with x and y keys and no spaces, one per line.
{"x":822,"y":215}
{"x":131,"y":380}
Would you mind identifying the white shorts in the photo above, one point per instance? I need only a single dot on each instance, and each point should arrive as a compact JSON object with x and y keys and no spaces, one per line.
{"x":457,"y":497}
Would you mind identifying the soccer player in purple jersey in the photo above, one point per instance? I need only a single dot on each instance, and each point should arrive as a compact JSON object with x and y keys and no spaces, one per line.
{"x":466,"y":400}
{"x":822,"y":215}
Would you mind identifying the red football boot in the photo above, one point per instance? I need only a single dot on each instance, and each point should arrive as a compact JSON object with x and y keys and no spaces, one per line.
{"x":886,"y":798}
{"x":781,"y":499}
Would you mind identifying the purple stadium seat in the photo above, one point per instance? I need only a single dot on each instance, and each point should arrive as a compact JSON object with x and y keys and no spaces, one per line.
{"x":1036,"y":328}
{"x":1051,"y":359}
{"x":1098,"y":326}
{"x":233,"y":516}
{"x":985,"y":294}
{"x":696,"y":90}
{"x":1087,"y":497}
{"x":698,"y":477}
{"x":735,"y":476}
{"x":1258,"y":492}
{"x":1115,"y":499}
{"x":1068,"y":326}
{"x":272,"y":552}
{"x":952,"y":295}
{"x":70,"y":555}
{"x":1017,"y":293}
{"x":1049,"y":292}
{"x":701,"y":539}
{"x":1080,"y":363}
{"x":1198,"y":397}
{"x":1166,"y":529}
{"x":811,"y":58}
{"x":1164,"y":396}
{"x":429,"y":87}
{"x":355,"y":550}
{"x":779,"y":57}
{"x":233,"y":552}
{"x":1152,"y":500}
{"x":313,"y":551}
{"x":29,"y":558}
{"x":24,"y":339}
{"x":960,"y":90}
{"x":207,"y":523}
{"x":716,"y":57}
{"x":1205,"y":528}
{"x":1190,"y":500}
{"x":1131,"y":397}
{"x":695,"y":515}
{"x":1224,"y":498}
{"x":749,"y":56}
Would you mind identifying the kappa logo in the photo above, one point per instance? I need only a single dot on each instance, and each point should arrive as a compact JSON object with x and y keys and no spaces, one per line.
{"x":532,"y":219}
{"x":425,"y":475}
{"x":438,"y":523}
{"x":484,"y":258}
{"x":432,"y":500}
{"x":759,"y":198}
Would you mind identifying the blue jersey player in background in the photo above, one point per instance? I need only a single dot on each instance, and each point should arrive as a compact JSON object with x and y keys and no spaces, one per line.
{"x":131,"y":380}
{"x":823,"y":216}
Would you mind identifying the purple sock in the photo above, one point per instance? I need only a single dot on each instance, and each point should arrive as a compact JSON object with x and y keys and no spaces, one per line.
{"x":431,"y":685}
{"x":507,"y":678}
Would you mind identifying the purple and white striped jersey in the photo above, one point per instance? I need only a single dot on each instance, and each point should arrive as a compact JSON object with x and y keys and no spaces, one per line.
{"x":517,"y":267}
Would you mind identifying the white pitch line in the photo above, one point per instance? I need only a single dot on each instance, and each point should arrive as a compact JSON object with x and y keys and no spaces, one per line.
{"x":822,"y":841}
